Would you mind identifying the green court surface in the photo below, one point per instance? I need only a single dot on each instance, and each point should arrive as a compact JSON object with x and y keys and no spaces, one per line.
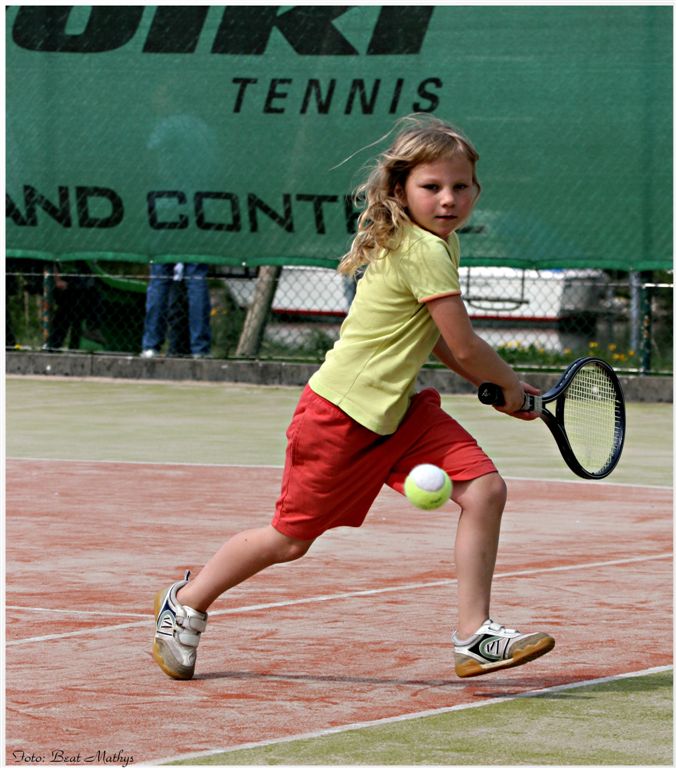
{"x":231,"y":424}
{"x":620,"y":722}
{"x":593,"y":725}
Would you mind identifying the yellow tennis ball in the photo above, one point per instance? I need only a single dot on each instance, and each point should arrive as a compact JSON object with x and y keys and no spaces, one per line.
{"x":428,"y":486}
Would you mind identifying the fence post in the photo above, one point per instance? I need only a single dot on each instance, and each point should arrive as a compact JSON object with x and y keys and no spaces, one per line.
{"x":646,"y":341}
{"x":257,"y":314}
{"x":47,"y":309}
{"x":641,"y":318}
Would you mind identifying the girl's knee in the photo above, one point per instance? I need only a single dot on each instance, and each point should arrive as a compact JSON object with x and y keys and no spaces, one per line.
{"x":289,"y":549}
{"x":496,"y":490}
{"x":296,"y":549}
{"x":487,"y":492}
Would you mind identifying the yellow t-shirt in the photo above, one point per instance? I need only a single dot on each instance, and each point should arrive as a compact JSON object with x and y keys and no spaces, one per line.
{"x":388,"y":333}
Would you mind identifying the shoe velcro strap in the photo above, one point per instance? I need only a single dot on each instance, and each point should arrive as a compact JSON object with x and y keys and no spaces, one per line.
{"x":193,"y":620}
{"x":187,"y":637}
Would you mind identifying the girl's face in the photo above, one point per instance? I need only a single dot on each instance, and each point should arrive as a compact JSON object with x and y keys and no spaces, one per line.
{"x":439,"y":196}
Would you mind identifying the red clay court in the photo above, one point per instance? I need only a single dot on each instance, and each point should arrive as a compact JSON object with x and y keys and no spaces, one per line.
{"x":357,"y":631}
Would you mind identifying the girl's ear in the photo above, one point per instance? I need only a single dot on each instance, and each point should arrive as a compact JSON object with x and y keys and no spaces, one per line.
{"x":400,"y":194}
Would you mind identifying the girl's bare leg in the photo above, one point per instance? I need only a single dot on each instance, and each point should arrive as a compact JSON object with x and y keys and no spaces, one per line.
{"x":242,"y":556}
{"x":482,"y":502}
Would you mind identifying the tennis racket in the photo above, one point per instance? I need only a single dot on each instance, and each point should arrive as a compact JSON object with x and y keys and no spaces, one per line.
{"x":588,"y":422}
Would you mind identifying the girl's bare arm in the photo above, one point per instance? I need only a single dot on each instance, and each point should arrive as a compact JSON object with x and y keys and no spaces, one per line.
{"x":466,"y":353}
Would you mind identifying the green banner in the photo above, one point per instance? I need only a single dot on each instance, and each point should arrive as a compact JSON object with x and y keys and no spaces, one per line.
{"x":218,"y":133}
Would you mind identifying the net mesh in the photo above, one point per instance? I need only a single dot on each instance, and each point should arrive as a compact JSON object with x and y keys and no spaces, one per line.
{"x":534,"y":320}
{"x":222,"y":134}
{"x":592,"y":423}
{"x":233,"y":136}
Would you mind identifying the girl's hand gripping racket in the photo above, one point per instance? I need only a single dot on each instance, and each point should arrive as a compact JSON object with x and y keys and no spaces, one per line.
{"x":589,"y":419}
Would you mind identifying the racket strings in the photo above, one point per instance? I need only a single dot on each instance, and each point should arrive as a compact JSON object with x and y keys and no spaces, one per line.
{"x":592,"y":418}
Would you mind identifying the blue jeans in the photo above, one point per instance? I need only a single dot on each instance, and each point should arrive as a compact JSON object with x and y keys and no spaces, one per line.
{"x":162,"y":292}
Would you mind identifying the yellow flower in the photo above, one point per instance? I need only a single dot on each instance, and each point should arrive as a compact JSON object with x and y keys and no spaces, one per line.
{"x":593,"y":344}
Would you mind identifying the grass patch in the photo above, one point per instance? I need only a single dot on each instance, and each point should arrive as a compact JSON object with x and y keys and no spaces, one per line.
{"x":624,"y":722}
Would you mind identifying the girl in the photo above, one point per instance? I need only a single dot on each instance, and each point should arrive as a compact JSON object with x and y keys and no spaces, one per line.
{"x":359,"y":416}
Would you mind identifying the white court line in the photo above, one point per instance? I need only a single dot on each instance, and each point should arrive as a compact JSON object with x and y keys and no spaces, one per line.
{"x":340,"y":596}
{"x":439,"y":583}
{"x":410,"y":716}
{"x":76,"y":633}
{"x":72,"y":612}
{"x":602,"y":483}
{"x":138,"y":462}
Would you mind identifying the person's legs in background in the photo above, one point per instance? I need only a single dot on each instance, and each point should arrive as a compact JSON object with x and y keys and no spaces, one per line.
{"x":155,"y":326}
{"x":199,"y":309}
{"x":177,"y":319}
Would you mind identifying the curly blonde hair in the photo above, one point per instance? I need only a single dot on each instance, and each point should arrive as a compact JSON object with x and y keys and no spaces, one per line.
{"x":419,"y":139}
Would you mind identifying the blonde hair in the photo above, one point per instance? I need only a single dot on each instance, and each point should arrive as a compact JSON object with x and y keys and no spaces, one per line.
{"x":419,"y":139}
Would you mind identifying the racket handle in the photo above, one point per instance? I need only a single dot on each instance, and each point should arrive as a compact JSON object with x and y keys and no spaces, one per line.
{"x":491,"y":394}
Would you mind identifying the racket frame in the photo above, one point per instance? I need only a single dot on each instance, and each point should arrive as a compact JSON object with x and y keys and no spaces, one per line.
{"x":491,"y":394}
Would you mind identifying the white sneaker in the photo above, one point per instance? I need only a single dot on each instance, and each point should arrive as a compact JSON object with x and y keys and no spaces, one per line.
{"x":494,"y":647}
{"x":177,"y":633}
{"x":148,"y":353}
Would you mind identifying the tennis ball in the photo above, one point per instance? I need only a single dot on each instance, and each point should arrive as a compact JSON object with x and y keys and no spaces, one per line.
{"x":427,"y":486}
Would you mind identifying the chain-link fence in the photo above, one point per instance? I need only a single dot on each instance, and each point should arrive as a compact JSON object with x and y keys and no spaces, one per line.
{"x":534,"y":318}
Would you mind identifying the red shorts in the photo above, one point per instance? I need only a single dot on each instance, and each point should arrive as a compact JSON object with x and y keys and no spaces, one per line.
{"x":335,"y":467}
